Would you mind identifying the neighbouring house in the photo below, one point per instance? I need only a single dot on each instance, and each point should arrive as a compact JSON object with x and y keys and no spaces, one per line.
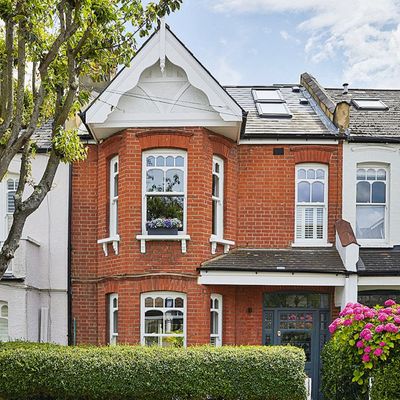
{"x":33,"y":291}
{"x":210,"y":214}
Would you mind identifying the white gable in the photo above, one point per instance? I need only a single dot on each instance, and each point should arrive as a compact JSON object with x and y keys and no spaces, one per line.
{"x":165,"y":86}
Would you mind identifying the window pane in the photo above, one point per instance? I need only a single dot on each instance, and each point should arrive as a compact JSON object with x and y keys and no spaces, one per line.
{"x":151,"y":341}
{"x":311,"y":174}
{"x":320,"y":174}
{"x":153,"y":321}
{"x":149,"y":302}
{"x":4,"y":311}
{"x":216,"y":304}
{"x":378,"y":192}
{"x":361,"y":174}
{"x":164,"y":207}
{"x":309,"y":223}
{"x":363,"y":192}
{"x":150,"y":161}
{"x":170,"y":161}
{"x":303,"y":193}
{"x":155,"y":180}
{"x":381,"y":175}
{"x":169,"y":303}
{"x":371,"y":174}
{"x":216,"y":167}
{"x":115,"y":322}
{"x":160,"y":161}
{"x":115,"y":302}
{"x":214,"y":217}
{"x":174,"y":322}
{"x":214,"y":322}
{"x":174,"y":180}
{"x":115,"y":186}
{"x":317,"y":192}
{"x":159,"y":302}
{"x":215,"y":186}
{"x":179,"y":302}
{"x":370,"y":222}
{"x":301,"y":174}
{"x":172,"y":341}
{"x":179,"y":162}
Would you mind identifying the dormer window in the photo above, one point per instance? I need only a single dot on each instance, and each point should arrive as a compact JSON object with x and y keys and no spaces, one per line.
{"x":270,"y":103}
{"x":370,"y":104}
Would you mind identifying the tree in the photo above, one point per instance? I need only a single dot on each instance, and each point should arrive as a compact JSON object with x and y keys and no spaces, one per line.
{"x":56,"y":43}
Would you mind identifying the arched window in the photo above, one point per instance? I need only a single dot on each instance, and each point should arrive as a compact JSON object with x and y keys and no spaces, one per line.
{"x":113,"y":318}
{"x":216,"y":320}
{"x":114,"y":173}
{"x":163,"y":319}
{"x":218,"y":198}
{"x":3,"y":321}
{"x":311,"y":203}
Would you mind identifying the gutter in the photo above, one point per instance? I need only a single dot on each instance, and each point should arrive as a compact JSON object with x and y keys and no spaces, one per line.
{"x":291,"y":271}
{"x":331,"y":136}
{"x":372,"y":139}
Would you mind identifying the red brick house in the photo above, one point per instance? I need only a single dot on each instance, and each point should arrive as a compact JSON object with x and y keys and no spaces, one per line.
{"x":206,"y":214}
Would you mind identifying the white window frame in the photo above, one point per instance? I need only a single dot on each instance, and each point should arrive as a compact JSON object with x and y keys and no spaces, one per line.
{"x":112,"y":335}
{"x":312,"y":241}
{"x":217,"y":336}
{"x":5,"y":304}
{"x":14,"y":180}
{"x":164,"y":152}
{"x":386,"y":205}
{"x":143,"y":309}
{"x":219,"y":234}
{"x":113,"y":220}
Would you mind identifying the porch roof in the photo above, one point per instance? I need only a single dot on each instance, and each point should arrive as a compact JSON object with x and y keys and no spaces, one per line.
{"x":379,"y":261}
{"x":318,"y":260}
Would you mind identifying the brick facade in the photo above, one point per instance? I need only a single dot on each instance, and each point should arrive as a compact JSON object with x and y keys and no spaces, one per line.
{"x":259,"y":212}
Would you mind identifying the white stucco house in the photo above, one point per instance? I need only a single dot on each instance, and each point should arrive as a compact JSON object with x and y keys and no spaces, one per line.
{"x":33,"y":292}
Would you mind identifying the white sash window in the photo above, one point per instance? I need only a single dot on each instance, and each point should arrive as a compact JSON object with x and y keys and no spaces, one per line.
{"x":3,"y":322}
{"x":114,"y":174}
{"x":216,"y":320}
{"x":113,"y":318}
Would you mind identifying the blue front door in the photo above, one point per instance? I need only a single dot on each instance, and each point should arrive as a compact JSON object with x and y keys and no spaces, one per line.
{"x":303,"y":326}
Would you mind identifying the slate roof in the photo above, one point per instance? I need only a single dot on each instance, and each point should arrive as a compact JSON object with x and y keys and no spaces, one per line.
{"x":287,"y":260}
{"x":42,"y":136}
{"x":372,"y":123}
{"x":379,"y":261}
{"x":304,"y":121}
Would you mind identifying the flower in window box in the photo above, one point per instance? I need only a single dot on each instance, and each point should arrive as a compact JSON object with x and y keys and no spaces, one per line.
{"x":163,"y":226}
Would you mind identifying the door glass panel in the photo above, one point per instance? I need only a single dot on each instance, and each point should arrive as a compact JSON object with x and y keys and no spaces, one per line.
{"x":302,"y":300}
{"x":299,"y":339}
{"x":295,"y":320}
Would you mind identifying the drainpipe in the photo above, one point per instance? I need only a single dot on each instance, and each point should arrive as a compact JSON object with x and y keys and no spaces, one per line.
{"x":69,"y":261}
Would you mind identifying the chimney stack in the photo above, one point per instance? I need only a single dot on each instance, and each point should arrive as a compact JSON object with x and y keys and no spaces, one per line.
{"x":345,"y":88}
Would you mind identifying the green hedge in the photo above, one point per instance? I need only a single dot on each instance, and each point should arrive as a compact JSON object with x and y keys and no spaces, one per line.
{"x":337,"y":373}
{"x":386,"y":381}
{"x":30,"y":371}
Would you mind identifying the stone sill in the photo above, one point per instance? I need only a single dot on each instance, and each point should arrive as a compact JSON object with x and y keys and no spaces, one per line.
{"x":162,"y":238}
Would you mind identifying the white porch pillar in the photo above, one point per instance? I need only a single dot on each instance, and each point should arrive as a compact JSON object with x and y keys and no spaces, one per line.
{"x":348,"y":293}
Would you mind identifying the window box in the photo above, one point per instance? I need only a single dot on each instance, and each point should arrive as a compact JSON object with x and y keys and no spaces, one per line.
{"x":162,"y":231}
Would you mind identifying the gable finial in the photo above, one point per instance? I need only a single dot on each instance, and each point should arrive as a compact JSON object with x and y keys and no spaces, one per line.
{"x":162,"y":44}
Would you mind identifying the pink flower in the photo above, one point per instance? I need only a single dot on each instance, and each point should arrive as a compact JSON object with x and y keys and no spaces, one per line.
{"x":369,"y":326}
{"x":369,"y":314}
{"x":389,"y":303}
{"x":380,"y":328}
{"x":365,"y":358}
{"x":358,"y":310}
{"x":391,"y":328}
{"x":382,"y":344}
{"x":397,"y":320}
{"x":359,"y":317}
{"x":382,"y":317}
{"x":366,"y":334}
{"x":360,"y":344}
{"x":378,"y":352}
{"x":347,"y":322}
{"x":367,"y":349}
{"x":332,"y":327}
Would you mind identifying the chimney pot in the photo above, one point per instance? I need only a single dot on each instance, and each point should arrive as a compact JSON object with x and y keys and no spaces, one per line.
{"x":345,"y":88}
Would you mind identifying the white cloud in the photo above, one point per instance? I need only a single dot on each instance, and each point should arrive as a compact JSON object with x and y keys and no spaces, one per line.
{"x":288,"y":37}
{"x":366,"y":33}
{"x":226,"y":74}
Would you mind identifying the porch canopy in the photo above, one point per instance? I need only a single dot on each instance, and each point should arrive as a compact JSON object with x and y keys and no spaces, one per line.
{"x":283,"y":267}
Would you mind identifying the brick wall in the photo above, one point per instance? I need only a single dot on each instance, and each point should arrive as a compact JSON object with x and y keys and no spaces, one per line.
{"x":258,"y":212}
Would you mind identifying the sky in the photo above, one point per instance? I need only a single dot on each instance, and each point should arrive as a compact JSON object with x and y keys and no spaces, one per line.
{"x":261,"y":42}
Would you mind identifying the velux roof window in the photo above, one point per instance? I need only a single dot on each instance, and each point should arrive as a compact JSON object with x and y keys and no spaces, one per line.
{"x":270,"y":103}
{"x":369,"y":104}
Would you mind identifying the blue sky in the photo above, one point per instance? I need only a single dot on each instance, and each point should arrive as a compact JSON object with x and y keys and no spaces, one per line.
{"x":274,"y":41}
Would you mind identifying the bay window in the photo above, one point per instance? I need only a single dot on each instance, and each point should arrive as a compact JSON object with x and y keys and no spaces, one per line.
{"x":164,"y":188}
{"x":311,"y":204}
{"x":114,"y":173}
{"x":371,"y":203}
{"x":3,"y":321}
{"x":216,"y":320}
{"x":113,"y":318}
{"x":163,"y":319}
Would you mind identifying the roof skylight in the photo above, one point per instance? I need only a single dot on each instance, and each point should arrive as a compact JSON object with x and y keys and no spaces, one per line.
{"x":369,"y":104}
{"x":270,"y":103}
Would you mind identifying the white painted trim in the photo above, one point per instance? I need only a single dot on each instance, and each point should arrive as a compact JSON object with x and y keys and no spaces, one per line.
{"x":162,"y":238}
{"x":348,"y":254}
{"x":226,"y":243}
{"x":378,"y":280}
{"x":163,"y":295}
{"x":218,"y":336}
{"x":114,"y":240}
{"x":288,"y":141}
{"x":113,"y":217}
{"x":112,"y":336}
{"x":44,"y":325}
{"x":281,"y":278}
{"x":363,"y":148}
{"x":316,"y":244}
{"x":219,"y":199}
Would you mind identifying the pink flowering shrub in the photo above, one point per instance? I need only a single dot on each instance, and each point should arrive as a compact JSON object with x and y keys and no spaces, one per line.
{"x":372,"y":335}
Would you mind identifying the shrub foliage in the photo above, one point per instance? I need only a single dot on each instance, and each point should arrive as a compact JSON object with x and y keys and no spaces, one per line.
{"x":33,"y":371}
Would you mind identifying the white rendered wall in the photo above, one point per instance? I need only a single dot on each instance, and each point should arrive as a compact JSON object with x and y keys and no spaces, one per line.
{"x":42,"y":261}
